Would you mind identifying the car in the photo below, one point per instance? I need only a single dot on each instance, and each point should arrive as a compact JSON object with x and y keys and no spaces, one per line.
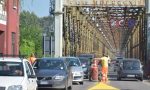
{"x":87,"y":55}
{"x":16,"y":74}
{"x":52,"y":73}
{"x":116,"y":63}
{"x":76,"y":69}
{"x":130,"y":68}
{"x":85,"y":62}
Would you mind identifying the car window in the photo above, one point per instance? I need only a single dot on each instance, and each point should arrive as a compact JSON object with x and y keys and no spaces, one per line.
{"x":51,"y":65}
{"x":131,"y":65}
{"x":73,"y":62}
{"x":11,"y":69}
{"x":85,"y":62}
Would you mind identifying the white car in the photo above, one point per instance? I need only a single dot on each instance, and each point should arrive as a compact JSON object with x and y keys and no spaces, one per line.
{"x":16,"y":74}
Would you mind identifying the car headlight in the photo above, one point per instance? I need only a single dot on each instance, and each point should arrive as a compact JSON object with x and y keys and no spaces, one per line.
{"x":59,"y":77}
{"x":81,"y":73}
{"x":15,"y":87}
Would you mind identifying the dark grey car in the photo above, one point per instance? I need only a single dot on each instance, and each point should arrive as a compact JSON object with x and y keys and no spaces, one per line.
{"x":52,"y":73}
{"x":130,"y":68}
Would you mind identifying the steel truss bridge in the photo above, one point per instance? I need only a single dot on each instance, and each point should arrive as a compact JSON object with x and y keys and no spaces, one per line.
{"x":113,"y":30}
{"x":112,"y":27}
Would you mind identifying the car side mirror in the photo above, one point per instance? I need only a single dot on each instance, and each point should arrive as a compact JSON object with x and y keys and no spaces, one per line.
{"x":142,"y":67}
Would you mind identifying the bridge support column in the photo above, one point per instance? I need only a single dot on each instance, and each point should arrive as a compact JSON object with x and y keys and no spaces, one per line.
{"x":58,"y":27}
{"x":147,"y":61}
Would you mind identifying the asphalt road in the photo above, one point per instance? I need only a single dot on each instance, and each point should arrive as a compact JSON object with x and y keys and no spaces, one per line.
{"x":128,"y":84}
{"x":125,"y":84}
{"x":87,"y":84}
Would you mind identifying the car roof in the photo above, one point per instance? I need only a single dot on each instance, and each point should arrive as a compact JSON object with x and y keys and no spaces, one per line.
{"x":70,"y":57}
{"x":131,"y":59}
{"x":49,"y":58}
{"x":12,"y":59}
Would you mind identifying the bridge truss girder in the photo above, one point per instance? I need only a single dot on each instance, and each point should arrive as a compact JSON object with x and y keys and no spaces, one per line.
{"x":90,"y":30}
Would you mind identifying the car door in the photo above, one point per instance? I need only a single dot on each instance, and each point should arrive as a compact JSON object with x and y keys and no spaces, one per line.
{"x":32,"y":80}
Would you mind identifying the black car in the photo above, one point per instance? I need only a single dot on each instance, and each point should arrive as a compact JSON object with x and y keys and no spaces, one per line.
{"x":130,"y":68}
{"x":52,"y":73}
{"x":85,"y":62}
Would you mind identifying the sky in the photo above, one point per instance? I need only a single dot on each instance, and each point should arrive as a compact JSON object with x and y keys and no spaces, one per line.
{"x":39,"y":7}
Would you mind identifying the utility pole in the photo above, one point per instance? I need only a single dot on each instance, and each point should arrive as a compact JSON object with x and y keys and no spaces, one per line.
{"x":58,"y":27}
{"x":52,"y":27}
{"x":44,"y":35}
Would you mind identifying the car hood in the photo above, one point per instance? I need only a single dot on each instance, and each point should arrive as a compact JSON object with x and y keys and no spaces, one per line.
{"x":8,"y":81}
{"x":43,"y":72}
{"x":77,"y":68}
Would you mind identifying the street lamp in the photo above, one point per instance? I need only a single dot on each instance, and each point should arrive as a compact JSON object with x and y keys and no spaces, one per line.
{"x":44,"y":35}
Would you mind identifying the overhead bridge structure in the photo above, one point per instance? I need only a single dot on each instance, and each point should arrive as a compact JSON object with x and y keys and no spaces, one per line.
{"x":112,"y":27}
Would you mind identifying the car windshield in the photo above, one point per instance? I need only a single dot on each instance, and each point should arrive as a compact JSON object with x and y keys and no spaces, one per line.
{"x":131,"y":65}
{"x":51,"y":64}
{"x":85,"y":62}
{"x":73,"y":62}
{"x":11,"y":69}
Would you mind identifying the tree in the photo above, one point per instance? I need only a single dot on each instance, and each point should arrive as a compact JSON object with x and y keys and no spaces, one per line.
{"x":30,"y":34}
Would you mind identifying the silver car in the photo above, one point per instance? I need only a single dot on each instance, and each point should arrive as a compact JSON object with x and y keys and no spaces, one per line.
{"x":76,"y":69}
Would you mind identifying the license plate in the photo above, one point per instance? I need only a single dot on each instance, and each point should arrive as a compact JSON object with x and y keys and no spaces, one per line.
{"x":130,"y":75}
{"x":43,"y":82}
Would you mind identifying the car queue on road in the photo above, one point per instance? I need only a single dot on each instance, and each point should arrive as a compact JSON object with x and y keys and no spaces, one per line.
{"x":47,"y":72}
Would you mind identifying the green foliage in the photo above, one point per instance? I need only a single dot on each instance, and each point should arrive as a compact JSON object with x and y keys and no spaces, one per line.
{"x":27,"y":47}
{"x":30,"y":34}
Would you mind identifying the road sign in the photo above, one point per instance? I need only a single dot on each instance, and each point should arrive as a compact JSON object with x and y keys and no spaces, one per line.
{"x":131,"y":23}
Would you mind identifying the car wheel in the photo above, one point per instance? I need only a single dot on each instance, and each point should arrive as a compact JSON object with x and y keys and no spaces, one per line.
{"x":66,"y":87}
{"x":118,"y":78}
{"x":70,"y":87}
{"x":90,"y":79}
{"x":81,"y":83}
{"x":141,"y":79}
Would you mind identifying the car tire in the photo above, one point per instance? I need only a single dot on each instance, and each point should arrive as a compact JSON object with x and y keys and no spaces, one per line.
{"x":81,"y":83}
{"x":37,"y":88}
{"x":90,"y":79}
{"x":141,"y":79}
{"x":118,"y":78}
{"x":70,"y":87}
{"x":66,"y":87}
